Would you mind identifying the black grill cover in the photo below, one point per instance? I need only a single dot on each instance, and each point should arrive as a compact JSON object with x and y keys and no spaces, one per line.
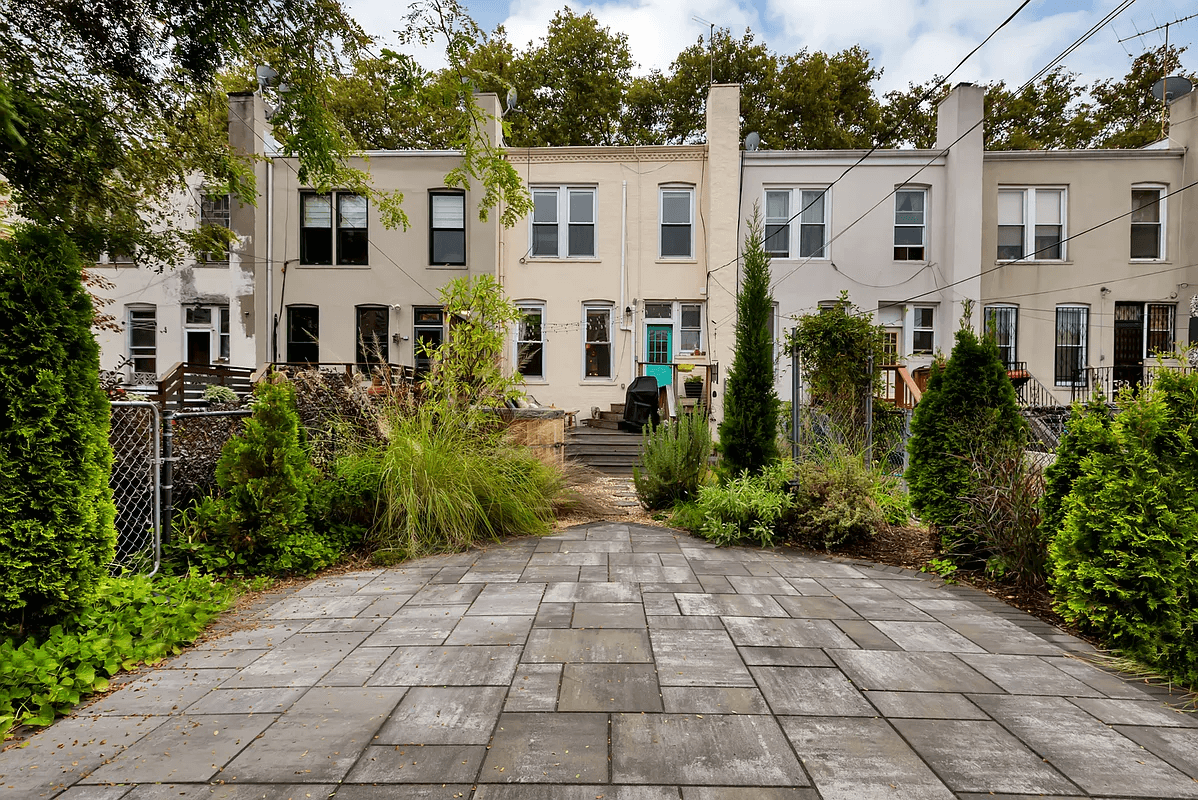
{"x":640,"y":404}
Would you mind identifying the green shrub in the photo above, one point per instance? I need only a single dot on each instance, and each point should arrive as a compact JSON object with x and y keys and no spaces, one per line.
{"x":1087,"y":433}
{"x":968,"y":411}
{"x":448,"y":478}
{"x":56,"y":510}
{"x":1123,"y":565}
{"x":747,"y":509}
{"x":1004,"y":516}
{"x":219,"y":395}
{"x":259,"y":521}
{"x":749,"y":431}
{"x":130,"y":621}
{"x":892,"y":500}
{"x":834,"y":501}
{"x":345,"y":503}
{"x":675,"y":460}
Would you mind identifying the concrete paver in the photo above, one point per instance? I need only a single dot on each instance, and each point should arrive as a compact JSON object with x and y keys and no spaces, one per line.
{"x":628,"y":663}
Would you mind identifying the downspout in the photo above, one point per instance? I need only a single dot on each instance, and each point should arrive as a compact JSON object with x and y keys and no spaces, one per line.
{"x":630,"y":326}
{"x":270,"y":261}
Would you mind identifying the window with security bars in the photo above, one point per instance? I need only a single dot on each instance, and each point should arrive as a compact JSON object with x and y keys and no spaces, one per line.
{"x":214,"y":212}
{"x":676,"y":228}
{"x":530,"y":342}
{"x":303,"y":334}
{"x":142,"y":326}
{"x":447,"y":229}
{"x":777,"y":223}
{"x":1147,"y":234}
{"x":597,"y":342}
{"x":909,"y":224}
{"x":372,"y":335}
{"x":1160,"y":328}
{"x":1069,"y":360}
{"x":1001,"y":324}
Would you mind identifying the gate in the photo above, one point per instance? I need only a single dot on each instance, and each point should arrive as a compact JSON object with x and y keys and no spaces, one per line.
{"x":136,"y":486}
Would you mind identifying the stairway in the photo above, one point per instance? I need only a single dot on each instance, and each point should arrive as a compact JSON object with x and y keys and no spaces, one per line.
{"x":602,"y":446}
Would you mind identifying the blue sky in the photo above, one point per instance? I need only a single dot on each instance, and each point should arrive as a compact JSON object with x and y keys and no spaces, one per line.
{"x":910,"y":39}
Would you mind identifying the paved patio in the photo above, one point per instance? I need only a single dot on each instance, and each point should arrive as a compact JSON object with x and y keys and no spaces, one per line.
{"x":619,"y":662}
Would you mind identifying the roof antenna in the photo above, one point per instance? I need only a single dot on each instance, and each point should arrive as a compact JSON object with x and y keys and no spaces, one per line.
{"x":710,"y":48}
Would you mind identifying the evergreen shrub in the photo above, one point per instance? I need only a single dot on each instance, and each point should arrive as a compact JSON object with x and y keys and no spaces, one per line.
{"x":1087,"y":433}
{"x":675,"y":457}
{"x":56,"y":509}
{"x":1124,"y":564}
{"x":967,"y":412}
{"x":834,"y":501}
{"x":749,"y":509}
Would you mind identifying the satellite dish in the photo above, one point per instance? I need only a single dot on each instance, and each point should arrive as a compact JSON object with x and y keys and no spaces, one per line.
{"x":752,"y":141}
{"x":511,"y":100}
{"x":1169,"y":89}
{"x":266,"y":76}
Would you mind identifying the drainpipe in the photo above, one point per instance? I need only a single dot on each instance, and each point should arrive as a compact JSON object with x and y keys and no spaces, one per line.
{"x":270,"y":261}
{"x":630,"y":326}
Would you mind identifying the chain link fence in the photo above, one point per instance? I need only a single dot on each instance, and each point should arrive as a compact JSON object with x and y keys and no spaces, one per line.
{"x":133,"y":436}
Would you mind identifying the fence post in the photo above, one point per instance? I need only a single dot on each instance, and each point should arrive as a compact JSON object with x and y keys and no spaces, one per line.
{"x":869,"y":415}
{"x":795,"y":399}
{"x":168,"y":472}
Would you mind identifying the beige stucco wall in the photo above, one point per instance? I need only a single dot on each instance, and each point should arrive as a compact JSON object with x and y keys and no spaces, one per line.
{"x":1097,"y":270}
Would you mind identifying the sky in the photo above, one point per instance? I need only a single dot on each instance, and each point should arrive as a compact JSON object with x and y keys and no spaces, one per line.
{"x":911,"y":40}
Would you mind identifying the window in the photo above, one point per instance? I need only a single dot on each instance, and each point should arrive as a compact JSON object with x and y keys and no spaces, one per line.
{"x":910,"y":220}
{"x":563,"y":230}
{"x":429,"y":330}
{"x":214,"y":212}
{"x":1147,"y":207}
{"x":317,"y":232}
{"x":923,"y":330}
{"x":691,"y":334}
{"x":597,"y":341}
{"x":447,"y":228}
{"x":224,"y":334}
{"x":1046,"y":209}
{"x":1159,"y":338}
{"x":777,"y":223}
{"x":372,"y":336}
{"x":142,"y":325}
{"x":1001,"y":325}
{"x":1070,"y":356}
{"x":530,"y":342}
{"x":303,"y":334}
{"x":890,"y":344}
{"x":676,"y":230}
{"x":813,"y":224}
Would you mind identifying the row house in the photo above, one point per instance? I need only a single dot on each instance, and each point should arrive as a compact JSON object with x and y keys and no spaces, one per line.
{"x":628,"y":263}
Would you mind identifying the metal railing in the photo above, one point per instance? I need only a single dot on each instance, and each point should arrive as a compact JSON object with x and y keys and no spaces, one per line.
{"x":682,"y":374}
{"x":1108,"y":381}
{"x":135,"y":481}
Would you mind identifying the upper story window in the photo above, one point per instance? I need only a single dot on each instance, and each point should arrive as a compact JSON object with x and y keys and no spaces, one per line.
{"x":1031,"y":224}
{"x":563,"y":222}
{"x":303,"y":334}
{"x":813,"y":223}
{"x":318,"y":236}
{"x":910,"y":225}
{"x":777,"y":222}
{"x":677,"y":229}
{"x":1147,"y":223}
{"x":447,"y":228}
{"x":214,"y":212}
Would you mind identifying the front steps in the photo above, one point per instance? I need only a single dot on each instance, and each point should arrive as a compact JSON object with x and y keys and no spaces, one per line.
{"x":607,"y":450}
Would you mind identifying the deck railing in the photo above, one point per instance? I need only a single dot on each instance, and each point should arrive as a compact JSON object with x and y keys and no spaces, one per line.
{"x":1103,"y":381}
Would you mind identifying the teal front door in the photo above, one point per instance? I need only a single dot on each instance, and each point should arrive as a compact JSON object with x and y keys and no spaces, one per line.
{"x":658,"y":347}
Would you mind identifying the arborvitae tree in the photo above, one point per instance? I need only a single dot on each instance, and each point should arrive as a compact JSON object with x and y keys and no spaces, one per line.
{"x":56,"y":510}
{"x":969,"y":410}
{"x":749,"y":432}
{"x":1088,"y":433}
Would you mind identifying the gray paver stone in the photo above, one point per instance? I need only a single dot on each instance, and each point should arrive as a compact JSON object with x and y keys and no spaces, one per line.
{"x":459,"y":715}
{"x":448,"y":666}
{"x":414,"y":764}
{"x":575,"y":645}
{"x":609,"y":687}
{"x":698,"y":658}
{"x":548,"y":748}
{"x":811,"y":692}
{"x":874,"y":670}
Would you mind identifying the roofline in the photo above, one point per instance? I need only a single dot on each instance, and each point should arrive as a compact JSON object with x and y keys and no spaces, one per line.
{"x":1066,"y":155}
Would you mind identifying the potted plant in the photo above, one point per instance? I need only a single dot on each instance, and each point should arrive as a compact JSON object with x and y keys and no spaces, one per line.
{"x":693,"y":386}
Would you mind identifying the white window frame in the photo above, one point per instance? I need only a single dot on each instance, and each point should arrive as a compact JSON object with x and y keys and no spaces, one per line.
{"x":800,"y":214}
{"x":1162,"y":227}
{"x":563,"y":223}
{"x":1014,"y":311}
{"x":453,"y":227}
{"x":1030,"y":196}
{"x":917,"y":328}
{"x":786,"y":221}
{"x":923,"y":226}
{"x":661,"y":223}
{"x":675,"y":323}
{"x":526,"y":306}
{"x":607,"y":308}
{"x":1083,"y":346}
{"x":129,"y":347}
